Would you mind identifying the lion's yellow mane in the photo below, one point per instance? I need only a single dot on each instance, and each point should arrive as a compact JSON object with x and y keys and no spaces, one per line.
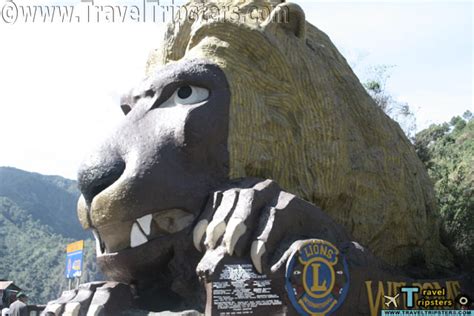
{"x":300,"y":116}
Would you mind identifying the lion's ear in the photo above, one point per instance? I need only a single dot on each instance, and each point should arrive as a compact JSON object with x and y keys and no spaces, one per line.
{"x":289,"y":16}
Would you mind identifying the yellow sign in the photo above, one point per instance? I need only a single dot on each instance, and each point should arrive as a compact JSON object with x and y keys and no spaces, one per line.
{"x":75,"y":246}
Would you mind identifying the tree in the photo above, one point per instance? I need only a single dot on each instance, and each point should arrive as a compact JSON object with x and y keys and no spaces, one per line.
{"x":467,"y":115}
{"x":447,"y":150}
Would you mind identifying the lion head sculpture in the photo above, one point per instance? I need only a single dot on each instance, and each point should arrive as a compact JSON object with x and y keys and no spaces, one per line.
{"x":250,"y":89}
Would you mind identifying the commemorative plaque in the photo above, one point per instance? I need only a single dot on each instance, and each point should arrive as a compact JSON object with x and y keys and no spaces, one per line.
{"x":238,"y":289}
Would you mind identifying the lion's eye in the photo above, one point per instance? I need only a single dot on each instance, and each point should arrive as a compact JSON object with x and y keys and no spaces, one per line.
{"x":186,"y":95}
{"x":191,"y":95}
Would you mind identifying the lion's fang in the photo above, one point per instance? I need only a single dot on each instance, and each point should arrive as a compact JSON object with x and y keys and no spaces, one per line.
{"x":100,"y":247}
{"x":145,"y":223}
{"x":137,"y":238}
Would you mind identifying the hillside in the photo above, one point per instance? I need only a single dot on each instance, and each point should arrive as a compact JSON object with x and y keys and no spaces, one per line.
{"x":37,"y":220}
{"x":49,"y":199}
{"x":447,"y":151}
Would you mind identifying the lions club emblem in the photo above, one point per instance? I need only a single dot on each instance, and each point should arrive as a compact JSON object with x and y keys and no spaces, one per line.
{"x":317,"y":278}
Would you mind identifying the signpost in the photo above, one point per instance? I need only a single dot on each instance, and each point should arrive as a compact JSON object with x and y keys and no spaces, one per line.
{"x":74,"y":260}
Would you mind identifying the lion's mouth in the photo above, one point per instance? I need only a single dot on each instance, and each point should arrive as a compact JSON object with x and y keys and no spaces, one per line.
{"x":120,"y":236}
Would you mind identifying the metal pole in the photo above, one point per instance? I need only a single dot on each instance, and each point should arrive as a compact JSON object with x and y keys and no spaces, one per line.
{"x":69,"y":284}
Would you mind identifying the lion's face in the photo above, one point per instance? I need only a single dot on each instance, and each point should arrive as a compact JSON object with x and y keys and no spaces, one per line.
{"x":143,"y":188}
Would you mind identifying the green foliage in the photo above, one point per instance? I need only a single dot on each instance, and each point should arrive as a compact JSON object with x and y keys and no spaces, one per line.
{"x":468,"y":115}
{"x":447,"y":150}
{"x":33,"y":253}
{"x":51,"y":200}
{"x":373,"y":86}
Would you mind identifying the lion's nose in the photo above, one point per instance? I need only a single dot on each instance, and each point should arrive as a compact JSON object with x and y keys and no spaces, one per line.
{"x":96,"y":175}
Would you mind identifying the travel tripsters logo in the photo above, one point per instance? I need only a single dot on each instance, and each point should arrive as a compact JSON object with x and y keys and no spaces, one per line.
{"x":317,"y":278}
{"x":419,"y":301}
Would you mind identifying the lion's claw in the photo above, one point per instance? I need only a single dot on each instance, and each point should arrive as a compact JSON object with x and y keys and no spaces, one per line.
{"x":255,"y":218}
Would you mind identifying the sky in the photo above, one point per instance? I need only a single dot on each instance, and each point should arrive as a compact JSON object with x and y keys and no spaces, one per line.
{"x":60,"y":83}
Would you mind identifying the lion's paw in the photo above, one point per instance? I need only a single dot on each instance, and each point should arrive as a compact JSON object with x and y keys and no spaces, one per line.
{"x":256,"y":218}
{"x":92,"y":299}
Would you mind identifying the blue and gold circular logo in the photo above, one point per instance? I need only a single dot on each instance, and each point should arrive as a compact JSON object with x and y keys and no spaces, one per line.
{"x":317,"y":278}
